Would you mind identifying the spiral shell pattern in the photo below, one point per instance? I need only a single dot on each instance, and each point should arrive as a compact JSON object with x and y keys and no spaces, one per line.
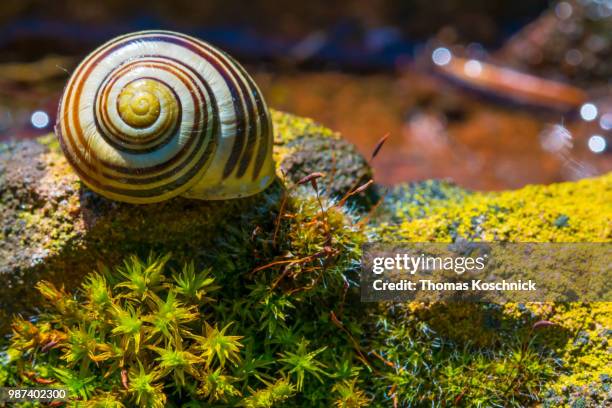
{"x":156,"y":114}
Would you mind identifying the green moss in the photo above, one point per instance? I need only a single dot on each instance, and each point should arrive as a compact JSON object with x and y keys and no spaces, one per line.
{"x":288,"y":128}
{"x":51,"y":141}
{"x":231,"y":334}
{"x":133,"y":337}
{"x":574,"y":352}
{"x":567,"y":212}
{"x":417,"y":200}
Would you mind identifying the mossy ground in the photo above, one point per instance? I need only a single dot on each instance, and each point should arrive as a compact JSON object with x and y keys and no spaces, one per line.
{"x":286,"y":265}
{"x":53,"y":227}
{"x":288,"y":345}
{"x":566,"y":212}
{"x":575,"y":353}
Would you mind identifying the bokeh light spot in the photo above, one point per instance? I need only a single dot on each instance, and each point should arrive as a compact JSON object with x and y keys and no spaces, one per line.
{"x":441,"y":56}
{"x":39,"y":119}
{"x":564,"y":10}
{"x":606,"y":121}
{"x":597,"y":144}
{"x":472,"y":68}
{"x":588,"y":112}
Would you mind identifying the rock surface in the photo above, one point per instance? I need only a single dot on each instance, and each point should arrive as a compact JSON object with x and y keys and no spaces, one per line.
{"x":55,"y":228}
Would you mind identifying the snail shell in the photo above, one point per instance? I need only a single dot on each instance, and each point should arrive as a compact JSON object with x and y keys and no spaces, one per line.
{"x":155,"y":114}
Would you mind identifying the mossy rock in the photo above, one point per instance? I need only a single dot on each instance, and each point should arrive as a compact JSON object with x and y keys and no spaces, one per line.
{"x":579,"y":211}
{"x":55,"y":228}
{"x":577,"y":346}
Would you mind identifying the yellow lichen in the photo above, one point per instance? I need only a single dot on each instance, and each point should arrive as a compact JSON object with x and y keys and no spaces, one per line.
{"x":566,"y":212}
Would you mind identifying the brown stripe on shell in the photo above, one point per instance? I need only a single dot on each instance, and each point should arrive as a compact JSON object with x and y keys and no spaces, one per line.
{"x":79,"y":130}
{"x":172,"y":160}
{"x":108,"y":123}
{"x":265,"y":124}
{"x":104,"y":102}
{"x":206,"y":156}
{"x":222,"y":67}
{"x":252,"y":121}
{"x":240,"y":144}
{"x":214,"y":134}
{"x":263,"y":136}
{"x":237,"y":100}
{"x":129,"y":170}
